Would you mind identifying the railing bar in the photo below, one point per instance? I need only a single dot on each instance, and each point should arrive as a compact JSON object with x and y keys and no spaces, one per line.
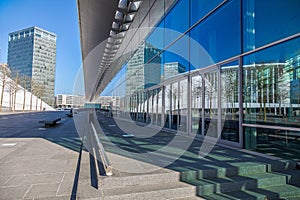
{"x":272,"y":127}
{"x":107,"y":166}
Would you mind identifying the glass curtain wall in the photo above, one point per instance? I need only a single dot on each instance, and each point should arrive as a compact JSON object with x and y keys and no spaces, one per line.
{"x":272,"y":95}
{"x":208,"y":76}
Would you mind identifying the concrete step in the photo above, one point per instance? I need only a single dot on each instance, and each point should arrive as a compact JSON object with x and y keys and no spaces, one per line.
{"x":245,"y":180}
{"x":293,"y":176}
{"x":235,"y":169}
{"x":286,"y":192}
{"x":162,"y":178}
{"x":189,"y":198}
{"x":235,"y":183}
{"x":157,"y":191}
{"x":281,"y":165}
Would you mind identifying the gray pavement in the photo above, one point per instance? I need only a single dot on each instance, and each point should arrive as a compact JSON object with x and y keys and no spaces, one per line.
{"x":42,"y":163}
{"x":37,"y":162}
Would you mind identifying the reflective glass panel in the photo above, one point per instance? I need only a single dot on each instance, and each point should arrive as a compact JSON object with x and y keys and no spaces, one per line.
{"x":159,"y":108}
{"x":219,"y":41}
{"x":174,"y":106}
{"x":196,"y":104}
{"x":176,"y":58}
{"x":177,"y":21}
{"x":271,"y":89}
{"x":230,"y":102}
{"x":168,"y":104}
{"x":154,"y":117}
{"x":265,"y":21}
{"x":271,"y":86}
{"x":199,"y":8}
{"x":183,"y":98}
{"x":156,"y":38}
{"x":150,"y":109}
{"x":211,"y":104}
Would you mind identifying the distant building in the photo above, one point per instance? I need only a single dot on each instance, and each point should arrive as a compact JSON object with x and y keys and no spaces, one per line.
{"x":32,"y":53}
{"x":172,"y":69}
{"x":69,"y":101}
{"x":140,"y":75}
{"x":107,"y":101}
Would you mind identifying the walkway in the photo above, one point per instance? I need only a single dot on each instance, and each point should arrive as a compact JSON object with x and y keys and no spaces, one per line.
{"x":49,"y":163}
{"x":37,"y":162}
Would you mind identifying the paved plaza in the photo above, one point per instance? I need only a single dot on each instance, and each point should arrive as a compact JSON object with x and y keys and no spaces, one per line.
{"x":38,"y":162}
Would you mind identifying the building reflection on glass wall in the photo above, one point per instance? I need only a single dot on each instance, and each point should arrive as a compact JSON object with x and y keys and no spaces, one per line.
{"x":272,"y":96}
{"x":234,"y":92}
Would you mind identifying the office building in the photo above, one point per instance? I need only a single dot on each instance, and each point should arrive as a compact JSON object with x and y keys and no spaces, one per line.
{"x":69,"y":101}
{"x":139,"y":73}
{"x":172,"y":69}
{"x":241,"y":68}
{"x":240,"y":87}
{"x":32,"y":53}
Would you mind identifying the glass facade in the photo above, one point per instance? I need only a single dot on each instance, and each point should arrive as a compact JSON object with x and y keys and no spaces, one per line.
{"x":226,"y":70}
{"x":32,"y":53}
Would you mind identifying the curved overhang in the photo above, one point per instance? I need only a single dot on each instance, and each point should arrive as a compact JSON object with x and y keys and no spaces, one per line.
{"x":103,"y":24}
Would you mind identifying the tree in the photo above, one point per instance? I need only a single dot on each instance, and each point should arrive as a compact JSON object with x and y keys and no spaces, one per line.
{"x":14,"y":86}
{"x":230,"y":88}
{"x":262,"y":84}
{"x":4,"y":77}
{"x":41,"y":92}
{"x":10,"y":88}
{"x":34,"y":88}
{"x":283,"y":87}
{"x":24,"y":82}
{"x":211,"y":90}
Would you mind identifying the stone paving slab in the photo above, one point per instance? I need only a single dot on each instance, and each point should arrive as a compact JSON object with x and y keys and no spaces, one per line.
{"x":15,"y":192}
{"x":42,"y":190}
{"x":42,"y":163}
{"x":34,"y":179}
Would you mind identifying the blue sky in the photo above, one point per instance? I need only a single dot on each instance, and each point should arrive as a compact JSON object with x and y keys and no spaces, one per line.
{"x":57,"y":16}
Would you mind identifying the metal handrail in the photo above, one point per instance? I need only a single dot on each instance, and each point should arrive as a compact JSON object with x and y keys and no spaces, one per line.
{"x":272,"y":127}
{"x":107,"y":167}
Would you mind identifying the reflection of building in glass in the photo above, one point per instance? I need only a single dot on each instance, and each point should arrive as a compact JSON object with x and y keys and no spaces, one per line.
{"x":32,"y":53}
{"x":140,"y":74}
{"x":107,"y":101}
{"x":69,"y":101}
{"x":265,"y":86}
{"x":172,"y":69}
{"x":249,"y":95}
{"x":295,"y":83}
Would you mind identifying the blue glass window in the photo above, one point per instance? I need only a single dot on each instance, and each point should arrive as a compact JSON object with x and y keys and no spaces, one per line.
{"x":156,"y":38}
{"x":271,"y":87}
{"x":199,"y":8}
{"x":177,"y":21}
{"x":176,"y":58}
{"x":268,"y":21}
{"x":219,"y":35}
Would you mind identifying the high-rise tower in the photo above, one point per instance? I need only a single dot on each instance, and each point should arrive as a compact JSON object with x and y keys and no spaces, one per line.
{"x":32,"y":53}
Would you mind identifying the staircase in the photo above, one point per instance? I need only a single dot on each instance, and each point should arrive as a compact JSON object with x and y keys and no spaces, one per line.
{"x":157,"y":185}
{"x":247,"y":181}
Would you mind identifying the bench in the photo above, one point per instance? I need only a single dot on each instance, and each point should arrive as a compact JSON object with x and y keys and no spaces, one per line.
{"x":50,"y":122}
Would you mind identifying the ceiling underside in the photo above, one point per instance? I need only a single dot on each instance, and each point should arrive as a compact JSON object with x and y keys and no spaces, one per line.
{"x":101,"y":22}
